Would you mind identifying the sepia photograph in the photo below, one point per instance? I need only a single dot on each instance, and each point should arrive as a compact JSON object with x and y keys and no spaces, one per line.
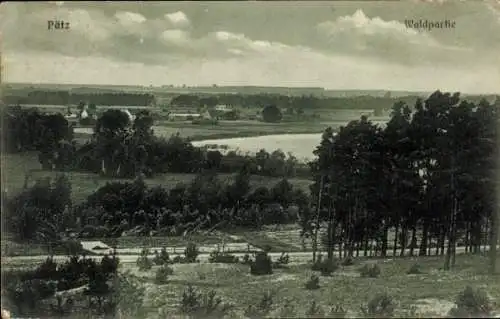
{"x":250,"y":159}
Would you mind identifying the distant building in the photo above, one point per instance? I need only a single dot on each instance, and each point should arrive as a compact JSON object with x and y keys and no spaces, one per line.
{"x":223,"y":108}
{"x":84,"y":114}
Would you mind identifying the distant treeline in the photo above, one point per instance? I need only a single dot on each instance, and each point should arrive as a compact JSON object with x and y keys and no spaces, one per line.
{"x":293,"y":102}
{"x":65,"y":98}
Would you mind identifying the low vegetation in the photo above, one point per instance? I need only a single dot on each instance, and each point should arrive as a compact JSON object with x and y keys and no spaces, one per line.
{"x":262,"y":265}
{"x":313,"y":283}
{"x":162,"y":274}
{"x":325,"y":266}
{"x":222,"y":257}
{"x":381,"y":306}
{"x":472,"y":303}
{"x":370,"y":271}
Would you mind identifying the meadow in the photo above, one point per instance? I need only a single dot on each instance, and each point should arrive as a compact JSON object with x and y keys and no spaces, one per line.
{"x":84,"y":184}
{"x":428,"y":294}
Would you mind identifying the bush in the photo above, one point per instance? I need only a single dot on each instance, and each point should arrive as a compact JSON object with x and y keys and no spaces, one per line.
{"x":144,"y":263}
{"x":262,"y":264}
{"x":179,"y":260}
{"x":471,"y":303}
{"x":44,"y":288}
{"x":415,"y":269}
{"x":314,"y":310}
{"x":349,"y":261}
{"x":337,"y":312}
{"x":326,"y":267}
{"x":222,"y":257}
{"x":313,"y":283}
{"x":162,"y":274}
{"x":262,"y":309}
{"x":287,"y":310}
{"x":109,"y":265}
{"x":162,"y":258}
{"x":282,"y":261}
{"x":371,"y":271}
{"x":191,"y":252}
{"x":199,"y":305}
{"x":47,"y":269}
{"x":246,"y":259}
{"x":381,"y":306}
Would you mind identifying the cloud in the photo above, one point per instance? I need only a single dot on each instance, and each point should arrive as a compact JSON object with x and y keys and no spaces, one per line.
{"x":353,"y":50}
{"x":178,"y":19}
{"x":176,"y":36}
{"x":122,"y":34}
{"x":390,"y":40}
{"x":129,"y":18}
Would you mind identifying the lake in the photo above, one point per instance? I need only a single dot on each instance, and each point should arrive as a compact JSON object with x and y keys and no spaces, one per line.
{"x":300,"y":145}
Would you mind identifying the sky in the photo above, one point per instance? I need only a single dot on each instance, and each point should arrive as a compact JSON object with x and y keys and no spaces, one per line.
{"x":336,"y":45}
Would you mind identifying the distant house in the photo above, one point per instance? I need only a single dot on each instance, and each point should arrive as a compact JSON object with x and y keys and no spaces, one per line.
{"x":223,"y":108}
{"x":84,"y":114}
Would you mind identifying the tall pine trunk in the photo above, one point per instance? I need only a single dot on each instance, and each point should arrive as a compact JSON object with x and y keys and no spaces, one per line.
{"x":425,"y":238}
{"x":395,"y":243}
{"x":385,"y":239}
{"x":316,"y":226}
{"x":404,"y":235}
{"x":494,"y":240}
{"x":413,"y":241}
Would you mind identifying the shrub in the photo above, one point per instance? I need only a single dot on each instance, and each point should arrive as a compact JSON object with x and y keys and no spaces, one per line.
{"x":199,"y":305}
{"x":178,"y":260}
{"x":371,"y":271}
{"x":144,"y":263}
{"x":47,"y":269}
{"x":313,"y":283}
{"x":415,"y":269}
{"x":201,"y":275}
{"x":109,"y":265}
{"x":162,"y":274}
{"x":287,"y":310}
{"x":246,"y":259}
{"x":262,"y":264}
{"x":326,"y":267}
{"x":381,"y":306}
{"x":262,"y":309}
{"x":337,"y":311}
{"x":282,"y":260}
{"x":44,"y":288}
{"x":191,"y":252}
{"x":349,"y":261}
{"x":471,"y":303}
{"x":314,"y":310}
{"x":162,"y":258}
{"x":222,"y":257}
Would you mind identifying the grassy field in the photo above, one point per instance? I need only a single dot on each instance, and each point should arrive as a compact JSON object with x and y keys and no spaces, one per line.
{"x":16,"y":166}
{"x":242,"y":128}
{"x":431,"y":293}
